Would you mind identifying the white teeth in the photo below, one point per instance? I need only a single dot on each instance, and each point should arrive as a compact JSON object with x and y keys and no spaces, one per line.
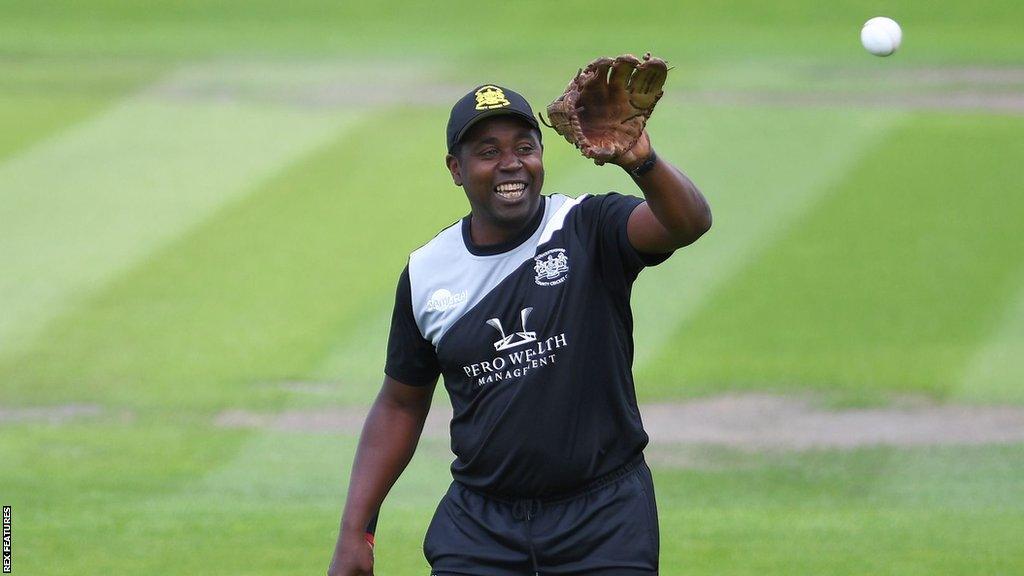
{"x":511,"y":187}
{"x":510,"y":195}
{"x":510,"y":190}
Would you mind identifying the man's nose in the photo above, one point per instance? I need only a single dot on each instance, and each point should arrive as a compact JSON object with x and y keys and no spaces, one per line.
{"x":510,"y":161}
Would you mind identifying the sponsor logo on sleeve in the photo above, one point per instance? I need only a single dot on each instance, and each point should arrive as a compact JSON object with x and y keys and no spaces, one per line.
{"x":443,"y":300}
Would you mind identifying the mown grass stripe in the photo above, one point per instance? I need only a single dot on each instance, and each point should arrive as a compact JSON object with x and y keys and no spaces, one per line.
{"x":82,"y":207}
{"x":255,"y":295}
{"x":29,"y":119}
{"x":41,"y":97}
{"x":761,"y":173}
{"x":887,"y":287}
{"x":996,"y":371}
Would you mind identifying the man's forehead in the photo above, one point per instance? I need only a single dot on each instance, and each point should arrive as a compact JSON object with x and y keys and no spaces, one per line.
{"x":493,"y":127}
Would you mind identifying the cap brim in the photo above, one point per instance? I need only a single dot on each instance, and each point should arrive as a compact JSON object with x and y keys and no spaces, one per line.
{"x":492,"y":113}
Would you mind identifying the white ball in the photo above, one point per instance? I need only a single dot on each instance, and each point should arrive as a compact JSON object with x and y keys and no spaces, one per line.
{"x":881,"y":36}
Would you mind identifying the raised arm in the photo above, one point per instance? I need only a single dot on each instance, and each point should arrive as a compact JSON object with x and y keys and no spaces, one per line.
{"x":675,"y":214}
{"x":387,"y":443}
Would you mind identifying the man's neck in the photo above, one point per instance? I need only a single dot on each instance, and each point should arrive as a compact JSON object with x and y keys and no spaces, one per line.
{"x":489,"y":234}
{"x":485,"y":232}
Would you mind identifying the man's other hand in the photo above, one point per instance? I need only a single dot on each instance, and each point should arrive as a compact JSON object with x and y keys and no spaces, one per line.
{"x":352,"y":557}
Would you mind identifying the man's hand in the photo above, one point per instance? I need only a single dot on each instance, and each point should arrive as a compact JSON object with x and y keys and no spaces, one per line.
{"x":386,"y":445}
{"x":353,"y":556}
{"x":636,"y":155}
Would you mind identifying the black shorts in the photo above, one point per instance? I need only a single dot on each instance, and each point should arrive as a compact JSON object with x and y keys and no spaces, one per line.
{"x":609,"y":528}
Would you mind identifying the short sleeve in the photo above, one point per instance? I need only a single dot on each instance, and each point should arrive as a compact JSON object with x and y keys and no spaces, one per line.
{"x":619,"y":260}
{"x":411,"y":358}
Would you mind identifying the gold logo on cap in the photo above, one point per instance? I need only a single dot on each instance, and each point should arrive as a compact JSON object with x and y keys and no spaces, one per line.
{"x":489,"y":97}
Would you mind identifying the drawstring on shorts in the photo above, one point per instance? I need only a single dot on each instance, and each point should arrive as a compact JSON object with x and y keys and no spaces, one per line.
{"x":524,"y":511}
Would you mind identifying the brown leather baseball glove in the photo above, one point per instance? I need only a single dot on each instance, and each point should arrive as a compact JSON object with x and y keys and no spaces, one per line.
{"x":605,"y":108}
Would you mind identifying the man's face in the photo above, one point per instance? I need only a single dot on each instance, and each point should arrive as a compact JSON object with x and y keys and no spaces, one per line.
{"x":500,"y":166}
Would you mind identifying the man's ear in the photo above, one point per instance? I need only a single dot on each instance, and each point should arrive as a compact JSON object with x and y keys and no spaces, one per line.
{"x":453,"y":167}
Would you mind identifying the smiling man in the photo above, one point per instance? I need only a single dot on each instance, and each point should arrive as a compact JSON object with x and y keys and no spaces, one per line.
{"x":523,"y":308}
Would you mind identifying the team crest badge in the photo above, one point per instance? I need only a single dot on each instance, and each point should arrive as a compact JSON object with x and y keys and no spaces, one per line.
{"x":551,"y":267}
{"x":490,"y":97}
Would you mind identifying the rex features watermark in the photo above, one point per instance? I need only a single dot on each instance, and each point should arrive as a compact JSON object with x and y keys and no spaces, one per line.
{"x":7,"y":539}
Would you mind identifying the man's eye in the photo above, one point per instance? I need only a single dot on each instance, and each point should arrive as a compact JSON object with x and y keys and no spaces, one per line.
{"x":526,"y":149}
{"x":489,"y":153}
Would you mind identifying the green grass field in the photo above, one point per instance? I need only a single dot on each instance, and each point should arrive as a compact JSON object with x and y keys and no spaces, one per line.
{"x":205,"y":205}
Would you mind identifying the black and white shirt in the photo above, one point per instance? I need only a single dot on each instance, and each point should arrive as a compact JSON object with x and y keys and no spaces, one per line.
{"x":534,"y":340}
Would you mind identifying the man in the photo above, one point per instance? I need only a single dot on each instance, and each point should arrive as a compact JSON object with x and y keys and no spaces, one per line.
{"x":523,"y":307}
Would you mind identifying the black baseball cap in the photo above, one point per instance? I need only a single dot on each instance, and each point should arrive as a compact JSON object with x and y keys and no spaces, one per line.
{"x":482,"y":102}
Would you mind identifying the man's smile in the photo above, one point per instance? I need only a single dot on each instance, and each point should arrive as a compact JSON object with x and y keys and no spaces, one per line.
{"x":511,"y":190}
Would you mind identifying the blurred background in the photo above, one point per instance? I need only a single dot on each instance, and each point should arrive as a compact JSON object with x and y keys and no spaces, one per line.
{"x":205,"y":207}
